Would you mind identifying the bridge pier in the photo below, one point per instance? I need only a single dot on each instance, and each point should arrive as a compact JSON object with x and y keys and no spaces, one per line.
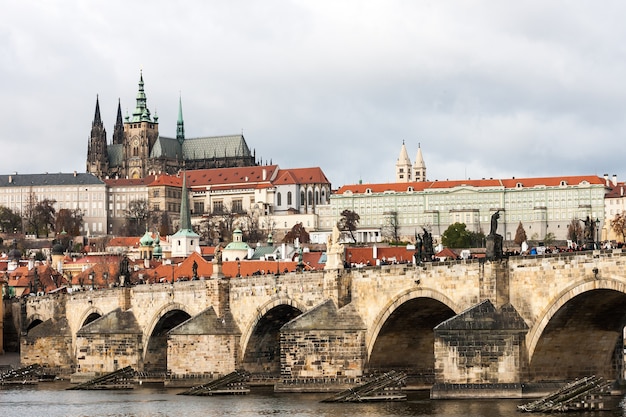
{"x":480,"y":353}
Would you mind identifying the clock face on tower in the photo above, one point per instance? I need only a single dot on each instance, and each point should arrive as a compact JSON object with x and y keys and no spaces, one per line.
{"x":135,"y":141}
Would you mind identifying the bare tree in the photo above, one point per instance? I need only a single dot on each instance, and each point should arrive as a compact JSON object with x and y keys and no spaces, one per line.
{"x":297,"y":232}
{"x":618,"y":224}
{"x":137,"y":215}
{"x":575,"y":231}
{"x":70,"y":221}
{"x":391,"y":227}
{"x":520,"y":234}
{"x":39,"y":215}
{"x":349,"y":222}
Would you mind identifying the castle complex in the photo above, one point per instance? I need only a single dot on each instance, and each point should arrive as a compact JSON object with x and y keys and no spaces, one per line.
{"x":138,"y":150}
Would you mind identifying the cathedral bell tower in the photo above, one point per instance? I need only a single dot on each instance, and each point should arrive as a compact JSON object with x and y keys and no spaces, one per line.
{"x":97,"y":157}
{"x":140,"y":133}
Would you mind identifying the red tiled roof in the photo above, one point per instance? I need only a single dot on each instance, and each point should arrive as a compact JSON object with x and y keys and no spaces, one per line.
{"x":167,"y":180}
{"x":313,"y":175}
{"x":126,"y":242}
{"x":504,"y":183}
{"x":231,"y":176}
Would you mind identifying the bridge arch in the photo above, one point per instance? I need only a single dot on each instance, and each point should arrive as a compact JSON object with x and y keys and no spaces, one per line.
{"x":155,"y":334}
{"x":264,"y":332}
{"x":402,"y":335}
{"x":397,"y":302}
{"x":34,"y":321}
{"x":577,"y":333}
{"x":89,"y":315}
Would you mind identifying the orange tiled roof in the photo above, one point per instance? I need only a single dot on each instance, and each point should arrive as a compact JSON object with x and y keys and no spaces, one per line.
{"x":504,"y":183}
{"x":231,"y":176}
{"x":167,"y":180}
{"x":313,"y":175}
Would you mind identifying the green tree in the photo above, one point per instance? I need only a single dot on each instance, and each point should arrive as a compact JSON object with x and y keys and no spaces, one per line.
{"x":10,"y":222}
{"x":297,"y":232}
{"x":457,"y":236}
{"x":549,"y":239}
{"x":349,"y":222}
{"x":520,"y":235}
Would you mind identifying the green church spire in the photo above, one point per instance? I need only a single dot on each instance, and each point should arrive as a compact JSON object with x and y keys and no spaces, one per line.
{"x":185,"y":216}
{"x":180,"y":125}
{"x":141,"y":113}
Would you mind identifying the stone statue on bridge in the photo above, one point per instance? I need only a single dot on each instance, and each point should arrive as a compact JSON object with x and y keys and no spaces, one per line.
{"x":334,"y":250}
{"x":494,"y":240}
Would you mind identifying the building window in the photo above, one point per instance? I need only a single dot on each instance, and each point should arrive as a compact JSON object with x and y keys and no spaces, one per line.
{"x":155,"y":193}
{"x":289,"y":198}
{"x":198,"y":207}
{"x":237,"y":206}
{"x":218,"y":206}
{"x":279,"y":199}
{"x":156,"y":207}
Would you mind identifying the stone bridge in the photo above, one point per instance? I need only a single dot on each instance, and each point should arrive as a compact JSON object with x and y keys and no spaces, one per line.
{"x":461,"y":323}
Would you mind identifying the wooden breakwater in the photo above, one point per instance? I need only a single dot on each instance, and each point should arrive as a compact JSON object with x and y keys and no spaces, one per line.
{"x":235,"y":383}
{"x":587,"y":393}
{"x":121,"y":379}
{"x":385,"y":387}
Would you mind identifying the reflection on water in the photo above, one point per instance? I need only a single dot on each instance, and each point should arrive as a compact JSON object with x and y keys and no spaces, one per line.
{"x":51,"y":400}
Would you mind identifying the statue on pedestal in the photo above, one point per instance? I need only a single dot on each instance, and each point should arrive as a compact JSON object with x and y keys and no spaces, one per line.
{"x":494,"y":240}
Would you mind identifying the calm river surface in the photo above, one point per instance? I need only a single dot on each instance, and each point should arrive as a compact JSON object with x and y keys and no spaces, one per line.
{"x":50,"y":400}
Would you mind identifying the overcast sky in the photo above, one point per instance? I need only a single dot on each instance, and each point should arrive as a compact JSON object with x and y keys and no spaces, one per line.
{"x":489,"y":88}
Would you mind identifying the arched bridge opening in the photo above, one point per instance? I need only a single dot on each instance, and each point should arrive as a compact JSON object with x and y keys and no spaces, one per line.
{"x":34,"y":323}
{"x":406,"y":339}
{"x":155,"y":360}
{"x":584,"y":337}
{"x":262,"y":355}
{"x":91,"y":317}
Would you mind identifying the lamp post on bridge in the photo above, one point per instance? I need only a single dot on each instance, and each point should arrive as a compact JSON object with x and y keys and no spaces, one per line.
{"x":597,"y":233}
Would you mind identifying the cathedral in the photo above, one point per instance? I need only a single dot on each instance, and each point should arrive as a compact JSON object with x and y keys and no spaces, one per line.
{"x":137,"y":150}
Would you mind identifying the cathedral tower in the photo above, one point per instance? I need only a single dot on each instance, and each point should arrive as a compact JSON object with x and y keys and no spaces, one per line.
{"x":97,"y":157}
{"x":140,"y":133}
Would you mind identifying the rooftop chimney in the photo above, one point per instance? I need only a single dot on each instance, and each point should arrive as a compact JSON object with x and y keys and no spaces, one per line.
{"x":614,"y":179}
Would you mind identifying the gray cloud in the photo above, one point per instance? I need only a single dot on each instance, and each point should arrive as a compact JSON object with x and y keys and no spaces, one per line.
{"x":488,"y":89}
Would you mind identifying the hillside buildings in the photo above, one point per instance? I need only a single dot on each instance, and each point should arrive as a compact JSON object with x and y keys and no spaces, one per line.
{"x":543,"y":205}
{"x":70,"y":191}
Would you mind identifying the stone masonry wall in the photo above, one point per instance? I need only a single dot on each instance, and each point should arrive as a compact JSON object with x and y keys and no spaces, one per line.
{"x":103,"y":353}
{"x":322,"y":353}
{"x":210,"y":355}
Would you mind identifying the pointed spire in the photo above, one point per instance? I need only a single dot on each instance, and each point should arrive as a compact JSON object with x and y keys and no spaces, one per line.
{"x":118,"y":130}
{"x":419,"y":169}
{"x":97,"y":120}
{"x":403,"y":166}
{"x":185,"y":216}
{"x":141,"y":113}
{"x":180,"y":124}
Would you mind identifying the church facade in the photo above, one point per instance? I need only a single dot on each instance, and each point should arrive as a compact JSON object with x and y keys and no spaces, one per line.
{"x":137,"y":149}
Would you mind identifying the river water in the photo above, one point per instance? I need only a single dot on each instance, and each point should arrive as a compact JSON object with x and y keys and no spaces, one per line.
{"x":50,"y":400}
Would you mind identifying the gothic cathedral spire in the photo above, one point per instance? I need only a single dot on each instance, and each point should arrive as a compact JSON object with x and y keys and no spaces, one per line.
{"x":97,"y":156}
{"x":118,"y":130}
